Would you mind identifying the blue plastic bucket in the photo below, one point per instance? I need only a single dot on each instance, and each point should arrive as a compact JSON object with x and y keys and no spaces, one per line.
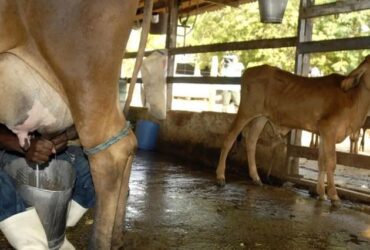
{"x":146,"y":134}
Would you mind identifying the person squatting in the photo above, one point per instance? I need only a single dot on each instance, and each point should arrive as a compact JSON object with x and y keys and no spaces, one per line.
{"x":21,"y":224}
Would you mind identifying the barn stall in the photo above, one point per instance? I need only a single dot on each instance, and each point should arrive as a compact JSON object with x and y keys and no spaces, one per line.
{"x":174,"y":202}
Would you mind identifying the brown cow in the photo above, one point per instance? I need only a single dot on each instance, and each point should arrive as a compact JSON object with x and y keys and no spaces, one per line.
{"x":59,"y":64}
{"x":332,"y":106}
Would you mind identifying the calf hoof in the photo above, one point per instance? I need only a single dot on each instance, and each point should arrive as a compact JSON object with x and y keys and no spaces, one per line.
{"x":336,"y":203}
{"x":322,"y":198}
{"x":312,"y":193}
{"x":221,"y":182}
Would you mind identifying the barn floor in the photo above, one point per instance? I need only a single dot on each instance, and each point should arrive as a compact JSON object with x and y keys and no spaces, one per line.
{"x":176,"y":205}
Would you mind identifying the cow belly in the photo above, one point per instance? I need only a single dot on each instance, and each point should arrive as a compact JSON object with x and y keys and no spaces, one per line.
{"x":28,"y":103}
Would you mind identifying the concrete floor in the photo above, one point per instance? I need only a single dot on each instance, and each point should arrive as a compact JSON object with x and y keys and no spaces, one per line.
{"x":176,"y":205}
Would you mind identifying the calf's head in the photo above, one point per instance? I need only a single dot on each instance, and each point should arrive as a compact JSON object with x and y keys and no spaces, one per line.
{"x":359,"y":75}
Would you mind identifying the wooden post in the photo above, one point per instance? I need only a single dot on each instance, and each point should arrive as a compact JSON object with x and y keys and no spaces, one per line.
{"x":170,"y":44}
{"x":304,"y":35}
{"x":302,"y":67}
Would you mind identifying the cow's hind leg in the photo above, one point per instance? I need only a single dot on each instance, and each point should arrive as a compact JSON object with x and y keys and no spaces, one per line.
{"x":255,"y":128}
{"x":121,"y":207}
{"x":236,"y":127}
{"x":108,"y":170}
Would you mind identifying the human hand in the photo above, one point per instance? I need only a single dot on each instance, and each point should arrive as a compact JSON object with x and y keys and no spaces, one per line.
{"x":60,"y":142}
{"x":40,"y":150}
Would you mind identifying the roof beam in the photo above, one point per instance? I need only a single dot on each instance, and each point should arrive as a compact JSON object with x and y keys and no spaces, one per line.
{"x":335,"y":8}
{"x":355,"y":43}
{"x":224,"y":2}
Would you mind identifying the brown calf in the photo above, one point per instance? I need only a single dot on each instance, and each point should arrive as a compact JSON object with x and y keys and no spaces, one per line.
{"x":332,"y":106}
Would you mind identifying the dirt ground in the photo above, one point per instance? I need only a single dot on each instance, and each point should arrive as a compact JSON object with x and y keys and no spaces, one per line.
{"x":176,"y":205}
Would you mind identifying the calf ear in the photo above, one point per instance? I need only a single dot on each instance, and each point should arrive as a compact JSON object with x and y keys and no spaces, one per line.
{"x":348,"y":83}
{"x":353,"y":79}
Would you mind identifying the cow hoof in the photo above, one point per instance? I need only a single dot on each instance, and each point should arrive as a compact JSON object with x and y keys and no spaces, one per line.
{"x":258,"y":183}
{"x":221,"y":182}
{"x":336,"y":203}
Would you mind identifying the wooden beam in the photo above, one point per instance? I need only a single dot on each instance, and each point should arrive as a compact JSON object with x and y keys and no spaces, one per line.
{"x":302,"y":64}
{"x":334,"y":45}
{"x":345,"y":193}
{"x":233,"y":46}
{"x":197,"y":9}
{"x":346,"y":159}
{"x":205,"y":80}
{"x":198,"y":80}
{"x":335,"y":8}
{"x":224,"y":2}
{"x":157,"y":8}
{"x":204,"y":6}
{"x":171,"y":37}
{"x":141,"y":3}
{"x":131,"y":55}
{"x":245,"y":45}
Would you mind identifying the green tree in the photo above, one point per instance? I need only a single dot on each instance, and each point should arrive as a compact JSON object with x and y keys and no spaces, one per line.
{"x":243,"y":24}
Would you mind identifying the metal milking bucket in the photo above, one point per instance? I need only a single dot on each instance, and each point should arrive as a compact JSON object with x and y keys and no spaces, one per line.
{"x":49,"y":190}
{"x":272,"y":11}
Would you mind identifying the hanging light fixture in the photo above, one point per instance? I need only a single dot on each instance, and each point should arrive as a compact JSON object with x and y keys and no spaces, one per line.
{"x":158,"y":25}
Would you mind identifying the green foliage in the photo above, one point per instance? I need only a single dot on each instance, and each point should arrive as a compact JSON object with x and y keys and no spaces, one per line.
{"x":243,"y":24}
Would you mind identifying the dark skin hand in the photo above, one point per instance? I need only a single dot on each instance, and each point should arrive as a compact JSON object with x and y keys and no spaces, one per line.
{"x":40,"y":148}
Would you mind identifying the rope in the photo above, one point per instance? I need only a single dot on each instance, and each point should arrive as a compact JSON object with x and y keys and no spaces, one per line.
{"x":123,"y":133}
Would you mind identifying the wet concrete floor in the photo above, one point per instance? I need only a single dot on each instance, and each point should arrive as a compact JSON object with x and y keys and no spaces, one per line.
{"x":176,"y":205}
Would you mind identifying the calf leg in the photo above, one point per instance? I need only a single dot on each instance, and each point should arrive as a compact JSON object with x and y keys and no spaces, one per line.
{"x":255,"y":128}
{"x":354,"y":142}
{"x":314,"y":143}
{"x":320,"y":188}
{"x":327,"y":164}
{"x":236,"y":127}
{"x":362,"y":144}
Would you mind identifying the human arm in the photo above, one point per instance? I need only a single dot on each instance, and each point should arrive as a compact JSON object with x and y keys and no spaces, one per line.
{"x":9,"y":141}
{"x":40,"y":149}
